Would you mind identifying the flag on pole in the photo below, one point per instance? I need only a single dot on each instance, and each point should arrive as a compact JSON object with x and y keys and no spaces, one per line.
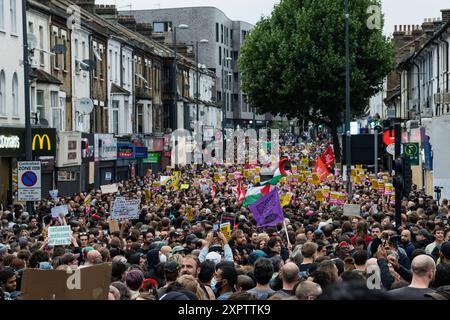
{"x":321,"y":169}
{"x":279,"y":173}
{"x":267,"y":211}
{"x":328,"y":157}
{"x":255,"y":193}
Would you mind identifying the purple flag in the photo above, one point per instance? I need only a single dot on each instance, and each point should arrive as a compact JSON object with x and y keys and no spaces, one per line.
{"x":267,"y":211}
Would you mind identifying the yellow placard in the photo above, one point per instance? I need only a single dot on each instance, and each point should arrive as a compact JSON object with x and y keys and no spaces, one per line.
{"x":357,"y":180}
{"x":149,"y":172}
{"x":294,"y":168}
{"x":156,"y":184}
{"x":315,"y":179}
{"x":380,"y":185}
{"x":216,"y":177}
{"x":148,"y":196}
{"x":231,"y":176}
{"x":247,"y":174}
{"x":342,"y":197}
{"x":257,"y":179}
{"x":319,"y":195}
{"x":305,"y":161}
{"x":225,"y":228}
{"x":286,"y":199}
{"x":158,"y":202}
{"x":374,"y":184}
{"x":184,"y":186}
{"x":169,"y":168}
{"x":205,"y":173}
{"x":359,"y":167}
{"x":190,"y":213}
{"x":257,"y":169}
{"x":177,"y":173}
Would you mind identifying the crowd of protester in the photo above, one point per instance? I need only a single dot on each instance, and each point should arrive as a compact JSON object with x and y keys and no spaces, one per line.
{"x":169,"y":253}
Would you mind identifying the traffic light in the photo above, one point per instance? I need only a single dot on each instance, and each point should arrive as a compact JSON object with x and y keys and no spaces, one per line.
{"x":403,"y":175}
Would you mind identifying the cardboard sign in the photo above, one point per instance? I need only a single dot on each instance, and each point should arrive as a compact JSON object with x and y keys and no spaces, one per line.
{"x":57,"y":211}
{"x":89,"y":283}
{"x":123,"y":209}
{"x":110,"y":188}
{"x":352,"y":210}
{"x":59,"y":236}
{"x":114,"y":226}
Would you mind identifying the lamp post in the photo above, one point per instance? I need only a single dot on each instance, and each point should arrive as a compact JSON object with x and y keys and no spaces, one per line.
{"x":225,"y":59}
{"x":197,"y":91}
{"x":175,"y":84}
{"x":347,"y":102}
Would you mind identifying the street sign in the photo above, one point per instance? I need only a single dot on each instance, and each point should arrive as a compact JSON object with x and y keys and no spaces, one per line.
{"x":391,"y":149}
{"x":411,"y":150}
{"x":29,"y":182}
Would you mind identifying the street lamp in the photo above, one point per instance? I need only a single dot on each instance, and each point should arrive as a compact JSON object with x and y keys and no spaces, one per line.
{"x":197,"y":92}
{"x":225,"y":59}
{"x":175,"y":85}
{"x":347,"y":102}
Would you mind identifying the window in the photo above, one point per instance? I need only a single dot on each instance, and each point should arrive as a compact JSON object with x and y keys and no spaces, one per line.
{"x":220,"y":56}
{"x":116,"y":64}
{"x":221,"y":33}
{"x":140,"y":118}
{"x":100,"y":62}
{"x":160,"y":27}
{"x":56,"y":59}
{"x":30,"y":27}
{"x":13,"y":11}
{"x":77,"y":58}
{"x":40,"y":107}
{"x":57,"y":106}
{"x":2,"y":14}
{"x":217,"y":31}
{"x":64,"y":60}
{"x":41,"y":45}
{"x":2,"y":93}
{"x":115,"y":117}
{"x":15,"y":95}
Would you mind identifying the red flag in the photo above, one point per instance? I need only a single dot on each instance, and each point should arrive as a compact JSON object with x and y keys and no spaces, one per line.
{"x":328,"y":156}
{"x":214,"y":190}
{"x":321,"y":169}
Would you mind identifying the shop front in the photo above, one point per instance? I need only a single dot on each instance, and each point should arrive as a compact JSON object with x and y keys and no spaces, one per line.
{"x":68,"y":163}
{"x":43,"y":146}
{"x":12,"y":148}
{"x":105,"y":155}
{"x":125,"y":161}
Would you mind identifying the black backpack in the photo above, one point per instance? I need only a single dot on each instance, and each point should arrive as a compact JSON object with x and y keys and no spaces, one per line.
{"x":441,"y":293}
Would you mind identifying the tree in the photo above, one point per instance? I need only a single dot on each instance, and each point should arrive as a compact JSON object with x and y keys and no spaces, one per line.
{"x":293,"y":63}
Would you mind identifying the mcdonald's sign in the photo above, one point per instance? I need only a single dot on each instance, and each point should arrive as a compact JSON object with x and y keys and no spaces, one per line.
{"x":43,"y":141}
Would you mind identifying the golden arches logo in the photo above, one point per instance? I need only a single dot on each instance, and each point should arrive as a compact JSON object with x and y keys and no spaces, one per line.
{"x":41,"y":139}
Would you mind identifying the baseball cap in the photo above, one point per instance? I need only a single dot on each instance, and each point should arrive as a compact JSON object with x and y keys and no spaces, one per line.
{"x":445,"y":249}
{"x":255,"y":255}
{"x":174,"y":234}
{"x":177,"y":249}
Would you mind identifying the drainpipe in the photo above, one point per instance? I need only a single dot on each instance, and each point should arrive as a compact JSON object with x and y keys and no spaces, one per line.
{"x":447,"y":63}
{"x":418,"y":93}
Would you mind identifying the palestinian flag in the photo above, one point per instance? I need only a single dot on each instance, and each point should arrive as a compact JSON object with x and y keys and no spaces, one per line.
{"x":279,"y":173}
{"x":240,"y":191}
{"x":255,"y":193}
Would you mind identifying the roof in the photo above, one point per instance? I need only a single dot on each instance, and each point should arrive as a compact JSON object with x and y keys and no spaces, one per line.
{"x":119,"y":90}
{"x":44,"y":77}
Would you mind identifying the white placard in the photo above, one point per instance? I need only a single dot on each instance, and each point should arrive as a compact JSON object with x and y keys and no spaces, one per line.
{"x":123,"y":209}
{"x":53,"y":194}
{"x":56,"y":211}
{"x":59,"y":236}
{"x":352,"y":210}
{"x":109,"y":188}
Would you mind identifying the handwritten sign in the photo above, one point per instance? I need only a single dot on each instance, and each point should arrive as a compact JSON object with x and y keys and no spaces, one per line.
{"x":59,"y":236}
{"x":57,"y":211}
{"x":110,"y":188}
{"x":125,"y":209}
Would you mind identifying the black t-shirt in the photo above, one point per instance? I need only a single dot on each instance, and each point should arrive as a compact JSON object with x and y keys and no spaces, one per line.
{"x":305,"y":267}
{"x":408,"y":293}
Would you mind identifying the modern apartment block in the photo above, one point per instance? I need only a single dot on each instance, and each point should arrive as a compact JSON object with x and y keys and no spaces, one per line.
{"x":225,"y":38}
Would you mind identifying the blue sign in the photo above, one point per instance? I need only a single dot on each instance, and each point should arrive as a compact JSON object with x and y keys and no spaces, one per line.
{"x":125,"y":151}
{"x":140,"y":152}
{"x":29,"y":179}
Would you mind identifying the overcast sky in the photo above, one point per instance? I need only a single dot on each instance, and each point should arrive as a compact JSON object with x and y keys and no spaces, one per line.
{"x":396,"y":11}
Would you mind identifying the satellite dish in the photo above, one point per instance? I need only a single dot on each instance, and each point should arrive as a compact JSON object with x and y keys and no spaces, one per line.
{"x":85,"y":105}
{"x":32,"y":41}
{"x":88,"y":65}
{"x":59,"y":49}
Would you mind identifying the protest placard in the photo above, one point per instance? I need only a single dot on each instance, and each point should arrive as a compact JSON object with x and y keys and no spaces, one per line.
{"x":156,"y":186}
{"x":352,"y":210}
{"x":189,"y":213}
{"x":113,"y":226}
{"x":89,"y":283}
{"x":59,"y":236}
{"x":319,"y":195}
{"x":228,"y":217}
{"x":184,"y":186}
{"x":58,"y":210}
{"x":109,"y":188}
{"x":53,"y":194}
{"x":225,"y":228}
{"x":123,"y":209}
